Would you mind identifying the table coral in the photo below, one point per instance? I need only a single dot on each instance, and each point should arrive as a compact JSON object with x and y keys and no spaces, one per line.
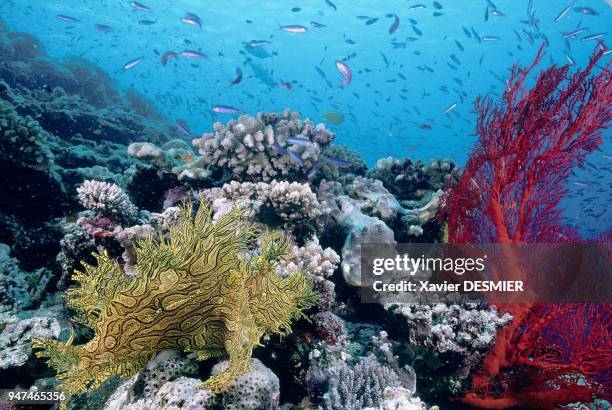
{"x":193,"y":292}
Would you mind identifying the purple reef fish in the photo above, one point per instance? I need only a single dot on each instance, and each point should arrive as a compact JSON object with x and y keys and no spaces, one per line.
{"x":63,"y":17}
{"x":192,"y":19}
{"x":167,"y":56}
{"x":313,"y":171}
{"x":395,"y":25}
{"x":346,"y":73}
{"x":193,"y":54}
{"x":295,"y":158}
{"x":103,"y":27}
{"x":299,"y":141}
{"x":278,"y":149}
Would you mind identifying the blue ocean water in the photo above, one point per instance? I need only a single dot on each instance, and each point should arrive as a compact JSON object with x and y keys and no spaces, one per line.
{"x":443,"y":53}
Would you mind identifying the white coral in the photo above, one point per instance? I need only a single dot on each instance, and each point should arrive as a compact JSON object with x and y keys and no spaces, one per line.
{"x":312,"y":258}
{"x":291,"y":202}
{"x":107,"y":199}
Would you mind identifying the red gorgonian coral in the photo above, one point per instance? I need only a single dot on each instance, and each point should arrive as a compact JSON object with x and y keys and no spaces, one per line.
{"x":551,"y":354}
{"x":528,"y":144}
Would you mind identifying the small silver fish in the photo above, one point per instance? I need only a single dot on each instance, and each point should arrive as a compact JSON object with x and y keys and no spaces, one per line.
{"x":317,"y":25}
{"x":586,"y":10}
{"x":593,"y":37}
{"x":139,"y":6}
{"x":294,"y":28}
{"x":238,"y":78}
{"x":133,"y":63}
{"x":182,"y":127}
{"x":331,"y":5}
{"x":575,"y":33}
{"x":224,"y":109}
{"x":490,"y":38}
{"x":564,"y":11}
{"x":257,"y":43}
{"x":395,"y":25}
{"x":449,"y":108}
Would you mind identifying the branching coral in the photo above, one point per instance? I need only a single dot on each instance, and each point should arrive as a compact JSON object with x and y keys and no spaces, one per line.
{"x":261,"y":149}
{"x":360,"y":386}
{"x":107,"y":199}
{"x":192,"y":291}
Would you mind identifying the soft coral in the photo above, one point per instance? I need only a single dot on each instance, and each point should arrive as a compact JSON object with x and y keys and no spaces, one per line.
{"x":551,"y":354}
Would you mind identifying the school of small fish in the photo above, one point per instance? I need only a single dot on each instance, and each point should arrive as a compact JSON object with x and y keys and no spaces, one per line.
{"x":346,"y":80}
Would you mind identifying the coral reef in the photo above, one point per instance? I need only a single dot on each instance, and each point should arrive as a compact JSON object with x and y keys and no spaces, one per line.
{"x":269,"y":146}
{"x":16,"y":339}
{"x":177,"y":251}
{"x":19,"y":288}
{"x":411,"y":181}
{"x":278,"y":204}
{"x":19,"y":328}
{"x":23,"y":134}
{"x":275,"y":203}
{"x":175,"y":157}
{"x":311,"y":259}
{"x":361,"y":228}
{"x":448,"y":341}
{"x":73,"y":98}
{"x":164,"y":383}
{"x":242,"y":300}
{"x":168,"y":383}
{"x":257,"y":389}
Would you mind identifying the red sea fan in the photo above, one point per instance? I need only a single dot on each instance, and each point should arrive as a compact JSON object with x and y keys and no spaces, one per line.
{"x":551,"y":354}
{"x":558,"y":354}
{"x":528,"y":144}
